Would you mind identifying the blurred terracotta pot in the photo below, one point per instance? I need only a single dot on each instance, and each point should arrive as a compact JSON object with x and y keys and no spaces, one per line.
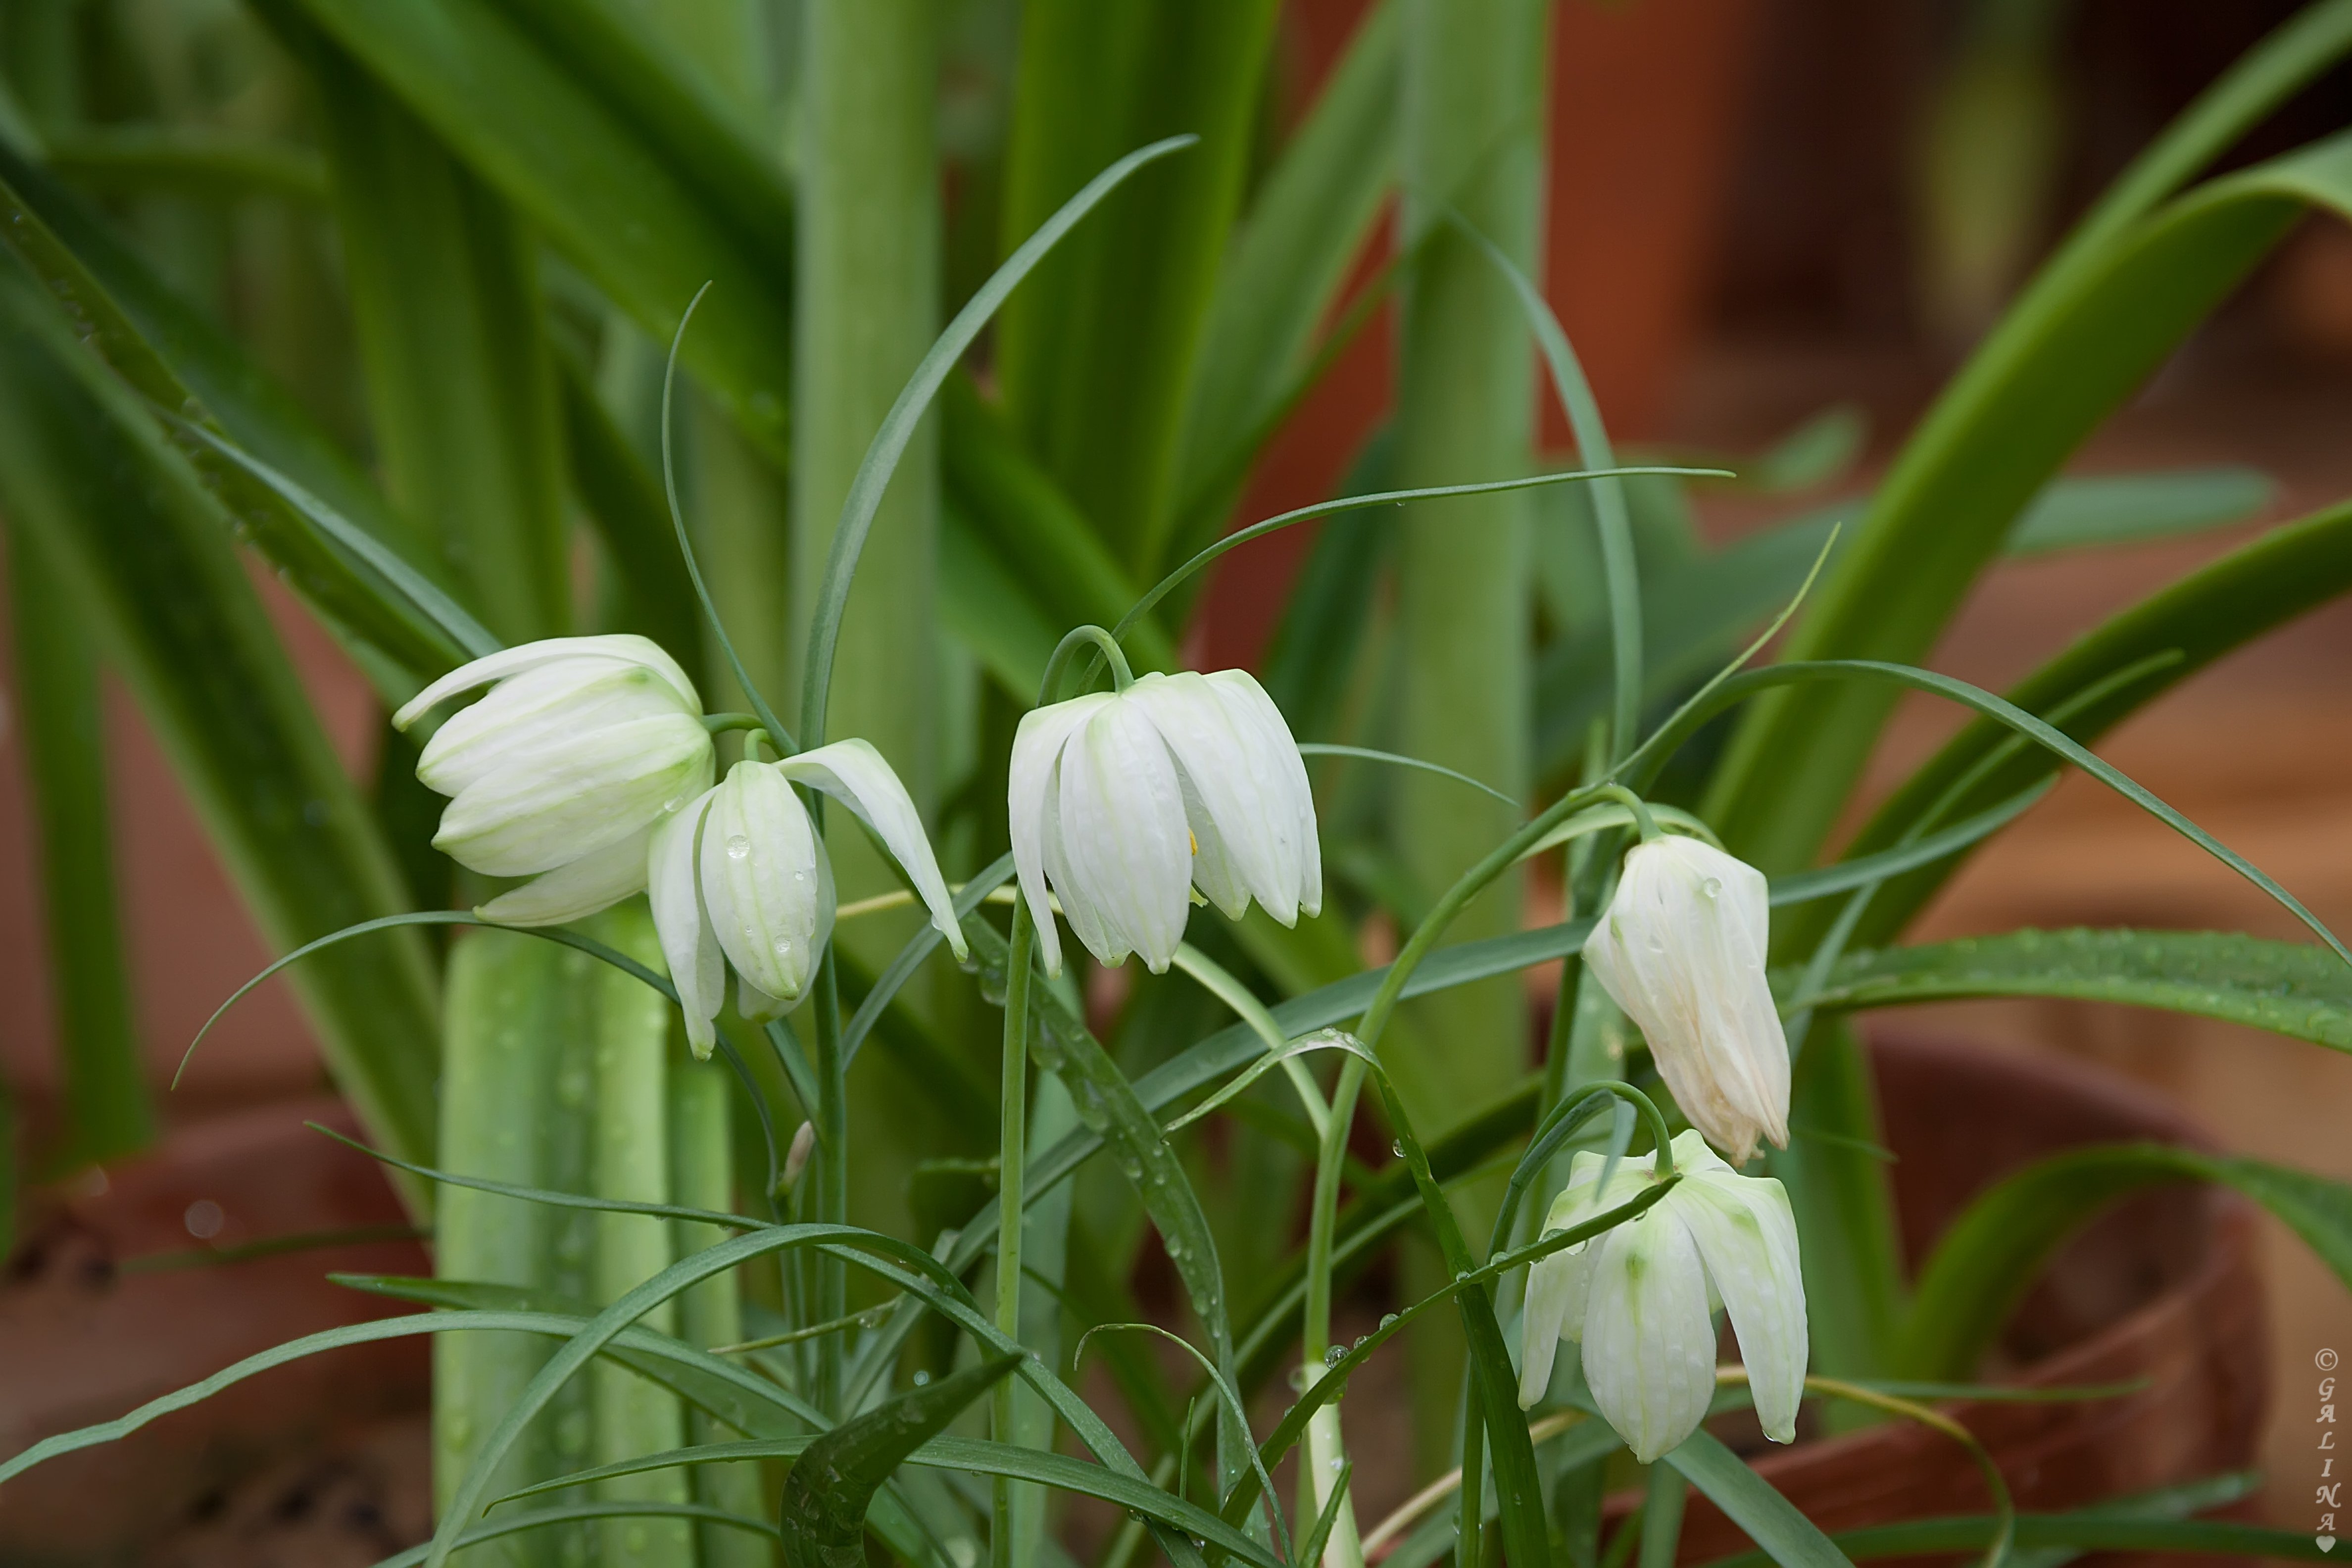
{"x":2164,"y":1289}
{"x":90,"y":1327}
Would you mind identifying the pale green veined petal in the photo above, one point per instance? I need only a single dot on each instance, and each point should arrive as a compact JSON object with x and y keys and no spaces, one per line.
{"x":1231,"y":823}
{"x":765,"y":881}
{"x":542,"y":812}
{"x":1123,"y":831}
{"x":1557,"y":1287}
{"x":1747,"y":1236}
{"x":577,"y":891}
{"x":540,"y":711}
{"x":1279,"y":777}
{"x":1649,"y":1346}
{"x":697,"y":968}
{"x":854,"y":773}
{"x":1030,"y":792}
{"x":513,"y":662}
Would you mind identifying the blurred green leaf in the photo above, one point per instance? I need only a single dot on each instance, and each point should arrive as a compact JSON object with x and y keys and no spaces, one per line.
{"x":183,"y":365}
{"x":1288,"y":259}
{"x":2115,"y":303}
{"x":82,"y":465}
{"x":1985,"y":1260}
{"x":2303,"y":991}
{"x":187,"y":159}
{"x":649,"y":218}
{"x":1096,"y":356}
{"x":2126,"y":509}
{"x":623,"y":502}
{"x":461,"y":394}
{"x":1750,"y":1502}
{"x":63,"y":732}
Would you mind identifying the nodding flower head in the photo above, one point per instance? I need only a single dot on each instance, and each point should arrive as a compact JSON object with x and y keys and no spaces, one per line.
{"x":1125,"y":802}
{"x":741,"y":880}
{"x":562,"y":769}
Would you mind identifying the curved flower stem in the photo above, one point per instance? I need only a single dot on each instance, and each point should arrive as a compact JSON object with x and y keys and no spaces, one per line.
{"x":1644,"y":821}
{"x":1013,"y":1158}
{"x":1049,"y":689}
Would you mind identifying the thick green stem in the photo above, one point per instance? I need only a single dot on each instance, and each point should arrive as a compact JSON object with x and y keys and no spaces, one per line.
{"x":629,"y":1147}
{"x":1012,"y":1159}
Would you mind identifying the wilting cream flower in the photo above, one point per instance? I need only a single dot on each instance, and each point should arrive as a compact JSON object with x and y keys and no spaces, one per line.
{"x":1639,"y":1297}
{"x":739,"y":877}
{"x":1681,"y":949}
{"x":560,"y":773}
{"x":1126,"y":802}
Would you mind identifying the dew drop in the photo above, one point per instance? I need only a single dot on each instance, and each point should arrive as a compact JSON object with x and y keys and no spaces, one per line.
{"x":1333,"y":1356}
{"x":921,"y":1378}
{"x":1335,"y":1465}
{"x":1388,"y":1319}
{"x":1712,"y":888}
{"x":673,"y":803}
{"x":1397,"y":1147}
{"x":738,"y":847}
{"x":800,"y":876}
{"x":783,"y":947}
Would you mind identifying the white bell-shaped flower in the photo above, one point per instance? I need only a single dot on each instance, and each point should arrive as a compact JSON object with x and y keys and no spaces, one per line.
{"x":1640,"y":1297}
{"x":1126,"y":802}
{"x":740,"y":877}
{"x":561,"y":772}
{"x":1681,"y":950}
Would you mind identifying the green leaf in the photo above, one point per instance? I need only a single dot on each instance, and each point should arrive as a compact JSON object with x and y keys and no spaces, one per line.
{"x":2285,"y":573}
{"x":1284,"y":270}
{"x":182,"y":364}
{"x":830,"y":1485}
{"x":1984,"y":1262}
{"x":2098,"y":321}
{"x":1750,"y":1502}
{"x":1096,"y":360}
{"x":2302,"y":992}
{"x":624,"y":503}
{"x":2126,"y":509}
{"x":583,"y":1513}
{"x":63,"y":734}
{"x":183,"y":160}
{"x":648,"y":220}
{"x":126,"y":520}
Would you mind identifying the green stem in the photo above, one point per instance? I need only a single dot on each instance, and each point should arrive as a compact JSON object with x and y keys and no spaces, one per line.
{"x":1058,"y":666}
{"x":1012,"y":1159}
{"x":832,"y":1171}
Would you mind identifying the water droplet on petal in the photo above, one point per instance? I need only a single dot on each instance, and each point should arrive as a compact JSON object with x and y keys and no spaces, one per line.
{"x":783,"y":947}
{"x":738,"y":847}
{"x":1712,"y":888}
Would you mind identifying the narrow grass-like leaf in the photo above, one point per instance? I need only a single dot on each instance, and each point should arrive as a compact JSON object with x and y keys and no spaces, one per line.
{"x":584,"y":1513}
{"x":625,"y":503}
{"x":899,"y":426}
{"x":187,"y":159}
{"x":2287,"y":573}
{"x":1985,"y":1260}
{"x":2129,"y":509}
{"x":1771,"y":1520}
{"x":1365,"y":753}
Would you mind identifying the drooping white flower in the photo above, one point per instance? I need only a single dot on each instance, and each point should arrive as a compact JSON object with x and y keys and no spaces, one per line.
{"x":740,"y":877}
{"x":1681,"y":950}
{"x":1126,"y":802}
{"x":1639,"y":1297}
{"x":561,"y":772}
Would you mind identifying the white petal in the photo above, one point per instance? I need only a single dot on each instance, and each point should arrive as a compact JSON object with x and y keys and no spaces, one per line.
{"x":756,"y":1006}
{"x":1030,"y":788}
{"x":541,"y":812}
{"x":1649,"y":1346}
{"x":1555,"y":1284}
{"x":1747,"y":1236}
{"x":1242,"y":781}
{"x":542,"y":711}
{"x":513,"y":661}
{"x":1681,"y":949}
{"x":697,"y":968}
{"x":1123,"y":832}
{"x":575,"y":891}
{"x":1281,"y":775}
{"x":854,"y":773}
{"x":765,"y":881}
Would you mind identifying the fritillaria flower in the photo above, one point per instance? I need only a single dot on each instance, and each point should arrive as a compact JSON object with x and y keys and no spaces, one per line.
{"x":1639,"y":1297}
{"x":740,"y":878}
{"x":1126,"y":802}
{"x":560,"y":773}
{"x":1681,"y":950}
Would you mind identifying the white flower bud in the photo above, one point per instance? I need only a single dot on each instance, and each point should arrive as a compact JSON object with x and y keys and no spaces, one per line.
{"x":796,"y":1159}
{"x":1640,"y":1296}
{"x":562,"y":771}
{"x":1123,"y":803}
{"x":740,"y":875}
{"x":1681,"y":950}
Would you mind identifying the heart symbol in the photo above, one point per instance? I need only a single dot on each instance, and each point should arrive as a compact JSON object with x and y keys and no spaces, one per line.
{"x":2324,"y":1543}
